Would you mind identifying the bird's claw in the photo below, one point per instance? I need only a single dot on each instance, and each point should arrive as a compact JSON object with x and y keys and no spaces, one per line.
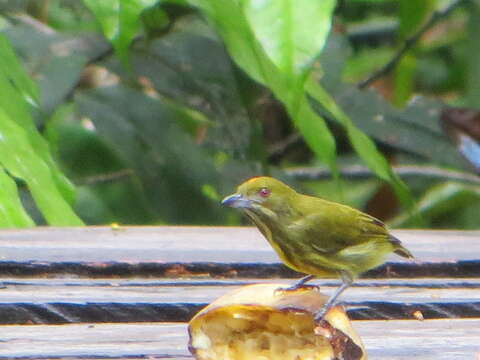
{"x":320,"y":314}
{"x":293,"y":288}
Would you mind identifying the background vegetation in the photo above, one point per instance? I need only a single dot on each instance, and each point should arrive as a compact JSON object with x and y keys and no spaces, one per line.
{"x":148,"y":111}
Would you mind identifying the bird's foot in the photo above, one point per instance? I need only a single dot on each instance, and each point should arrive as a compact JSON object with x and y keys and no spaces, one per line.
{"x":296,"y":287}
{"x":321,"y":314}
{"x":301,"y":284}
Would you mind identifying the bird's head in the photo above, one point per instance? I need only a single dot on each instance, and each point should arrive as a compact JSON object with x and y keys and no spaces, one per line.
{"x":260,"y":193}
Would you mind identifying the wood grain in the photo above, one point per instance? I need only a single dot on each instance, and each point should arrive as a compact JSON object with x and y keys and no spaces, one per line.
{"x":385,"y":340}
{"x":57,"y":301}
{"x":213,"y":251}
{"x":85,"y":278}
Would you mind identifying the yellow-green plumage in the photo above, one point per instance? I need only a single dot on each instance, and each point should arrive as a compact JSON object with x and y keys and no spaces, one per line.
{"x":312,"y":235}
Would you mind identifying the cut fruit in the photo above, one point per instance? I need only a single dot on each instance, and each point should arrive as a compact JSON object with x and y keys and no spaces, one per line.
{"x":261,"y":322}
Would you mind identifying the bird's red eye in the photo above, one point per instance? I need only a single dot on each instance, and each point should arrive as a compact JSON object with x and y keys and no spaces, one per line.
{"x":264,"y":192}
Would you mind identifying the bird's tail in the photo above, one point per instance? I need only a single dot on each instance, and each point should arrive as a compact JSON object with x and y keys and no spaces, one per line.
{"x":400,"y":249}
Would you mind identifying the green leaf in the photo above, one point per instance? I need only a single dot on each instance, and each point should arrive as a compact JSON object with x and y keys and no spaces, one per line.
{"x":24,"y":153}
{"x":128,"y":26}
{"x":108,"y":183}
{"x":12,"y":213}
{"x":120,"y":21}
{"x":18,"y":108}
{"x":292,"y":33}
{"x":284,"y":65}
{"x":441,"y":200}
{"x":231,"y":23}
{"x":171,"y":167}
{"x":198,"y":75}
{"x":404,"y":80}
{"x":59,"y":77}
{"x":56,"y":59}
{"x":414,"y":130}
{"x":412,"y":14}
{"x":20,"y":158}
{"x":362,"y":144}
{"x":155,"y":20}
{"x":316,"y":133}
{"x":106,"y":12}
{"x":16,"y":74}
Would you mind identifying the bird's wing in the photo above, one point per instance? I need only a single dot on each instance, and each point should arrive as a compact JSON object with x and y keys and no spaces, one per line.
{"x":330,"y":227}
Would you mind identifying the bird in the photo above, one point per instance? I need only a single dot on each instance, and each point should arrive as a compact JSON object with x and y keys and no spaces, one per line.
{"x":314,"y":236}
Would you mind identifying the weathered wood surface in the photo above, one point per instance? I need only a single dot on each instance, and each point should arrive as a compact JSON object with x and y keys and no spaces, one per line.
{"x":89,"y":276}
{"x":58,"y":301}
{"x":219,"y":252}
{"x":384,"y":340}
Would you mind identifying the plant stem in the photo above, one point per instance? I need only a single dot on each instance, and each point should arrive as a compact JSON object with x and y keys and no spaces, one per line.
{"x":409,"y":43}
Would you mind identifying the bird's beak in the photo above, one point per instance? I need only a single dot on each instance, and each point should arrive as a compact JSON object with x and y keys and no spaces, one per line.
{"x":237,"y":201}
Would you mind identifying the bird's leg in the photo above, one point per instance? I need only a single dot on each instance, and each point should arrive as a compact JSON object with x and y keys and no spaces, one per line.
{"x":347,"y":280}
{"x":331,"y":302}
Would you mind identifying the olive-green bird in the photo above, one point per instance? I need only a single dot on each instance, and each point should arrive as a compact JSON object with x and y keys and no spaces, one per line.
{"x":315,"y":236}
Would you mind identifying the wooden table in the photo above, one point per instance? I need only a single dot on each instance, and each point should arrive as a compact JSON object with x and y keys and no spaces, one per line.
{"x":108,"y":293}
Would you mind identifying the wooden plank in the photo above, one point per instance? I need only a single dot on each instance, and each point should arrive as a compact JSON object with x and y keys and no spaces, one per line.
{"x":173,"y":293}
{"x":194,"y":244}
{"x":57,"y":301}
{"x":94,"y":341}
{"x":429,"y":283}
{"x":426,"y":340}
{"x":213,"y":251}
{"x":384,"y":340}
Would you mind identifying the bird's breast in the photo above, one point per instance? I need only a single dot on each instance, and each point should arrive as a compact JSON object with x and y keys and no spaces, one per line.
{"x":277,"y":238}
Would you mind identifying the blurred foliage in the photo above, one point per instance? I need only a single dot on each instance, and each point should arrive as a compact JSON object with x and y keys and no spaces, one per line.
{"x":24,"y":154}
{"x":155,"y":109}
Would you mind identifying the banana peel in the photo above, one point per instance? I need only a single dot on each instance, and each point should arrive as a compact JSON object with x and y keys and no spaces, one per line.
{"x":261,"y":322}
